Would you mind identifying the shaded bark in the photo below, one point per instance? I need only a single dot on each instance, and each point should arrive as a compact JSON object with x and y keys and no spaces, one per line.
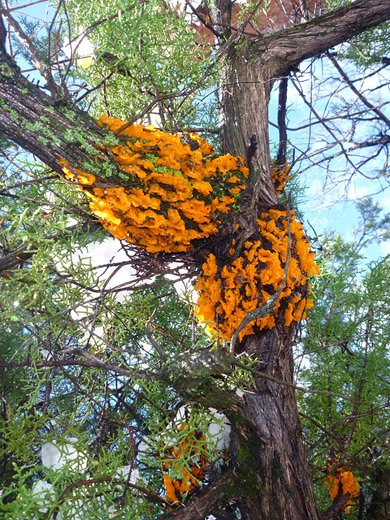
{"x":50,"y":128}
{"x":250,"y":72}
{"x":379,"y":508}
{"x":272,"y":457}
{"x":25,"y":108}
{"x":289,"y":47}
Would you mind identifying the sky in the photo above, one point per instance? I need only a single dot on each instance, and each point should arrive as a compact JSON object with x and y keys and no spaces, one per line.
{"x":329,"y":203}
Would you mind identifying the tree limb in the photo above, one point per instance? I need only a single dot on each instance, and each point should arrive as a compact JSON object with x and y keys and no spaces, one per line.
{"x":206,"y":501}
{"x":282,"y":112}
{"x":289,"y":47}
{"x":89,"y":361}
{"x":338,"y":504}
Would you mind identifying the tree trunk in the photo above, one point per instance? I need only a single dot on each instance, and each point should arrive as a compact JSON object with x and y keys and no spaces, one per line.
{"x":270,"y":465}
{"x":245,"y":95}
{"x":271,"y":458}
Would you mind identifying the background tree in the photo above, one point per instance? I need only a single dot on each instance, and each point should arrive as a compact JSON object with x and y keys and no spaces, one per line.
{"x":73,"y":319}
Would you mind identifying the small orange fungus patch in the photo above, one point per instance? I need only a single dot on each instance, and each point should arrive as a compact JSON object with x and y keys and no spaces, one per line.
{"x":179,"y":190}
{"x":280,"y":177}
{"x":193,"y":473}
{"x":231,"y":287}
{"x":343,"y":483}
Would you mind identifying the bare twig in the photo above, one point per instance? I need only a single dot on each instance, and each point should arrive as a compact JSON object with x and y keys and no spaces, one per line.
{"x":357,"y":92}
{"x":40,"y":60}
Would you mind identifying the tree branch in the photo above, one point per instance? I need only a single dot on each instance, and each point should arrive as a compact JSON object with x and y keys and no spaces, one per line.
{"x":89,"y":361}
{"x":289,"y":47}
{"x":282,"y":112}
{"x":357,"y":92}
{"x":338,"y":504}
{"x":206,"y":501}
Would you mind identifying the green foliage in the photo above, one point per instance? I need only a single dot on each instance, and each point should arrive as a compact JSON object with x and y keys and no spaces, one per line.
{"x":345,"y":351}
{"x":57,"y":314}
{"x":142,"y":55}
{"x":369,"y":47}
{"x":52,"y":303}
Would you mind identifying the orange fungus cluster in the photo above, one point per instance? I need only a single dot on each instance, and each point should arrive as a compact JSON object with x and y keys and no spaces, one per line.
{"x":178,"y":191}
{"x":244,"y":280}
{"x":279,"y":177}
{"x":193,"y":473}
{"x":343,"y":483}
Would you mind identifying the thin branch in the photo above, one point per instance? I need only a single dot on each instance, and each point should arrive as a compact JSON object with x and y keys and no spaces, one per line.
{"x":326,"y":126}
{"x":153,"y":342}
{"x":23,"y":253}
{"x":90,"y":362}
{"x":18,"y":7}
{"x":295,"y":387}
{"x":357,"y":92}
{"x":39,"y":59}
{"x":282,"y":111}
{"x":243,"y":26}
{"x":98,"y":363}
{"x":26,"y":183}
{"x":203,"y":20}
{"x":319,"y":426}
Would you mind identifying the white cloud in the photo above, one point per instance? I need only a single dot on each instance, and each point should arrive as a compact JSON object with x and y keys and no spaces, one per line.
{"x":80,"y":46}
{"x":56,"y":458}
{"x":46,"y":494}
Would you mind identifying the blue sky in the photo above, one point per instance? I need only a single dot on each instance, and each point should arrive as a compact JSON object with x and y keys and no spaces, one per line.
{"x":329,"y":201}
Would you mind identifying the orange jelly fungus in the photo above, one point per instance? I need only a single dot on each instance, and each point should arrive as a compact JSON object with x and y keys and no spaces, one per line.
{"x":229,"y":289}
{"x":345,"y":483}
{"x":193,"y":473}
{"x":280,"y":177}
{"x":179,"y":193}
{"x":181,"y":190}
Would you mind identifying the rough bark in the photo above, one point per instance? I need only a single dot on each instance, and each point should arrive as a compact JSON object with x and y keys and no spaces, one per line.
{"x":244,"y":97}
{"x":49,"y":128}
{"x":272,"y":457}
{"x":289,"y":47}
{"x":23,"y":104}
